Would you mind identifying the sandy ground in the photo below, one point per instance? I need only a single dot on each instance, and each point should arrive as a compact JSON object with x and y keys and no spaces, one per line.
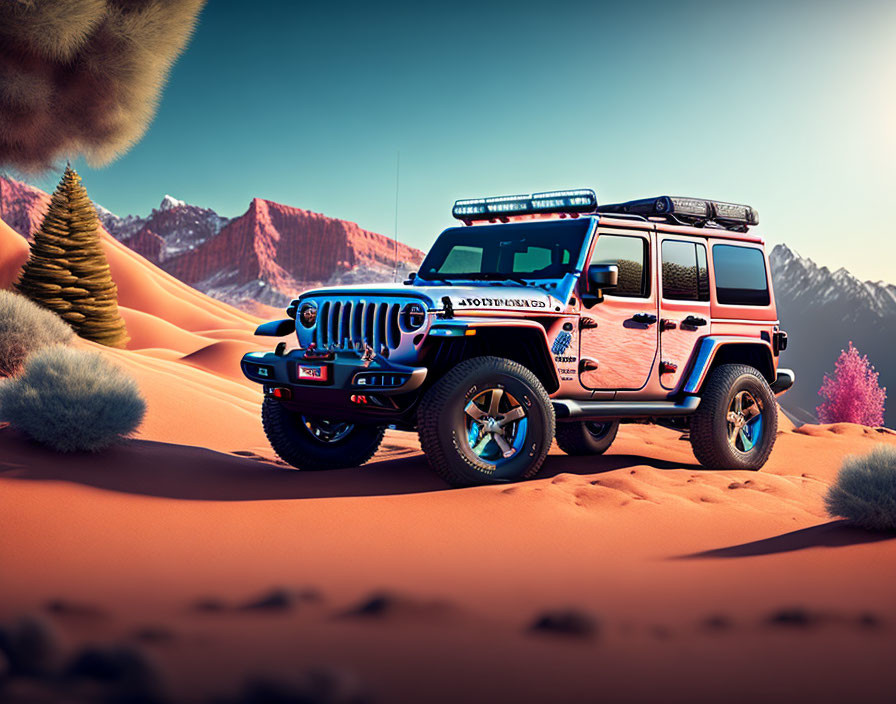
{"x":701,"y":586}
{"x":682,"y":568}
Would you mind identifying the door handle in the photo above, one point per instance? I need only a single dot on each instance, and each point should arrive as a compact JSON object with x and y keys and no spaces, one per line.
{"x":693,"y":321}
{"x":645,"y":318}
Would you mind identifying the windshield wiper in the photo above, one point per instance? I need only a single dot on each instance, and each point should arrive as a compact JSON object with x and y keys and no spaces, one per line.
{"x":434,"y":280}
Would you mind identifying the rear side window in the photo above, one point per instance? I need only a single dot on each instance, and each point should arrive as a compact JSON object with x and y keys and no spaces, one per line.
{"x":685,"y":276}
{"x":630,"y":255}
{"x":741,"y":279}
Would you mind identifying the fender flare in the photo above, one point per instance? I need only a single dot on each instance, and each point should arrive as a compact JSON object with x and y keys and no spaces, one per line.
{"x":709,"y":348}
{"x":472,"y":327}
{"x":277,"y":328}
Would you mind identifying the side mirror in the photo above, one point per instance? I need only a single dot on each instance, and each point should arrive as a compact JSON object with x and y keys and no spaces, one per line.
{"x":412,"y":276}
{"x":602,"y":277}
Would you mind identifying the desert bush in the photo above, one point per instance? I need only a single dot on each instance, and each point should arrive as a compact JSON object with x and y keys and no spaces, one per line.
{"x":25,"y":327}
{"x":852,"y":393}
{"x":72,"y":400}
{"x":31,"y":646}
{"x":124,"y":673}
{"x":567,"y":622}
{"x":865,"y":490}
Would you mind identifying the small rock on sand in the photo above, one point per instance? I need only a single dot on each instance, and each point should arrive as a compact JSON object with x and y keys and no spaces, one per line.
{"x":566,"y":622}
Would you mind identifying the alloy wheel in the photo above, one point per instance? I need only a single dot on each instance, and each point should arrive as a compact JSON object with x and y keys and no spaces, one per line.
{"x":744,"y":419}
{"x":496,"y":425}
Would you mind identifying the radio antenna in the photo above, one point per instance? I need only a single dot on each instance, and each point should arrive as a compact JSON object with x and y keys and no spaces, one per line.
{"x":395,"y":230}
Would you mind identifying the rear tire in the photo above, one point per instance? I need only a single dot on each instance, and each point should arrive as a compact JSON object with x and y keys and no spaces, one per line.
{"x":736,"y":423}
{"x":586,"y":437}
{"x":489,"y":420}
{"x":315,"y":444}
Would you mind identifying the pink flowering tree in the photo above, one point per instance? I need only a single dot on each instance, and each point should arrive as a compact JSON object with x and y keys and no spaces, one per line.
{"x":852,"y":394}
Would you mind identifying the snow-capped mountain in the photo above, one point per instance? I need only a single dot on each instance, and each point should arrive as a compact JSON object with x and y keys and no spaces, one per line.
{"x":822,"y":311}
{"x":802,"y":281}
{"x":272,"y":251}
{"x":171,"y":229}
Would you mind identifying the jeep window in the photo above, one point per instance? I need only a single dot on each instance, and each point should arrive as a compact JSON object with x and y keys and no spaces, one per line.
{"x":528,"y":250}
{"x":741,"y":278}
{"x":685,"y":276}
{"x":630,"y":255}
{"x":535,"y":258}
{"x":462,"y":258}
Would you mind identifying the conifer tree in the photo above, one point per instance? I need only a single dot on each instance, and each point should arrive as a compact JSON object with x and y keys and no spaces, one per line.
{"x":67,"y":271}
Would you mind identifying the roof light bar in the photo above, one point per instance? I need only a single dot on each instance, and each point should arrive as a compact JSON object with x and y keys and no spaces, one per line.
{"x":692,"y":210}
{"x":582,"y":200}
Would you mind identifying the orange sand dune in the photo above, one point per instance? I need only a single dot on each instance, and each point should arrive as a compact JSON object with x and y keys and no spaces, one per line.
{"x":219,"y":357}
{"x":145,"y":287}
{"x":192,"y":406}
{"x":148,"y":331}
{"x":13,"y":255}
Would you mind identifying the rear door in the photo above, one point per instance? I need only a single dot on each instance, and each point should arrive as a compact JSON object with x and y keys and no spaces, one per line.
{"x":618,"y":339}
{"x":685,"y":306}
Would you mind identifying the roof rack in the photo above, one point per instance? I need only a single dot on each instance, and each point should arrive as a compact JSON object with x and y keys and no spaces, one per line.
{"x":697,"y":212}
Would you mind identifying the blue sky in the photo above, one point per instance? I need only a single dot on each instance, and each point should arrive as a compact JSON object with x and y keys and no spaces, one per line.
{"x":787,"y":106}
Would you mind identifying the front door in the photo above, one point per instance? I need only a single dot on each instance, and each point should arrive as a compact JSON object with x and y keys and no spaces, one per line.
{"x":618,"y":340}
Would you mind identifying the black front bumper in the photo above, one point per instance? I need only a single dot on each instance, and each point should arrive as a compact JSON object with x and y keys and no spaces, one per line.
{"x":346,"y":387}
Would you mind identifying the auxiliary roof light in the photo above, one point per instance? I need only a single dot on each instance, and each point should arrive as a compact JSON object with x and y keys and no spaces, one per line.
{"x":582,"y":200}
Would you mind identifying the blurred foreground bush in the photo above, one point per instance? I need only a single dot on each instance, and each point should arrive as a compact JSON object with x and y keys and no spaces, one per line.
{"x":865,"y":490}
{"x":25,"y":327}
{"x":72,"y":400}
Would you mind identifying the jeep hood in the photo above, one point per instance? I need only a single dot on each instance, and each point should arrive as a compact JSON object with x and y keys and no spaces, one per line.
{"x":484,"y":297}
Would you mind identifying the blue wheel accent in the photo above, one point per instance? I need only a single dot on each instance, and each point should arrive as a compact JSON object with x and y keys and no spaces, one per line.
{"x":744,"y":419}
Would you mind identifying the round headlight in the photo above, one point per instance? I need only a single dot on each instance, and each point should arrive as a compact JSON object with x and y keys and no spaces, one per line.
{"x":308,"y":314}
{"x":413,"y":316}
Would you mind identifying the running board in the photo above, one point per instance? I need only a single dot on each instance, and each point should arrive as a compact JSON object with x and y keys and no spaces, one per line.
{"x":597,"y":410}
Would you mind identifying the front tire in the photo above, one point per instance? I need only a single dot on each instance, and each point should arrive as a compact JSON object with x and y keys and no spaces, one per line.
{"x":736,"y":423}
{"x":586,"y":437}
{"x":489,"y":420}
{"x":314,"y":444}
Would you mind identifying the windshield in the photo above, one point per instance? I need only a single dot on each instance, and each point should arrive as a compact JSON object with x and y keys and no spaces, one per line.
{"x":530,"y":250}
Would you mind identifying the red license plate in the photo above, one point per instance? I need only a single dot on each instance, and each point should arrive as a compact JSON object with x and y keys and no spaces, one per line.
{"x":313,"y":372}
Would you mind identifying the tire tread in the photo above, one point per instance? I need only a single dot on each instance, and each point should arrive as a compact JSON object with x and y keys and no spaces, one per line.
{"x":575,"y":441}
{"x":275,"y":419}
{"x":440,"y":393}
{"x":713,"y":399}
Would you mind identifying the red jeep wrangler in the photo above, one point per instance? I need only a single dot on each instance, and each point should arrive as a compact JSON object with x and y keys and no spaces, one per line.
{"x":542,"y":316}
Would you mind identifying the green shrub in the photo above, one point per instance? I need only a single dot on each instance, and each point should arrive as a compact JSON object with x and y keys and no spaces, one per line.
{"x":865,"y":490}
{"x":25,"y":327}
{"x":72,"y":400}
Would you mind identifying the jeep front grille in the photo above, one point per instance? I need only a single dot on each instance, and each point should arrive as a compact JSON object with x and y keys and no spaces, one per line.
{"x":354,"y":322}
